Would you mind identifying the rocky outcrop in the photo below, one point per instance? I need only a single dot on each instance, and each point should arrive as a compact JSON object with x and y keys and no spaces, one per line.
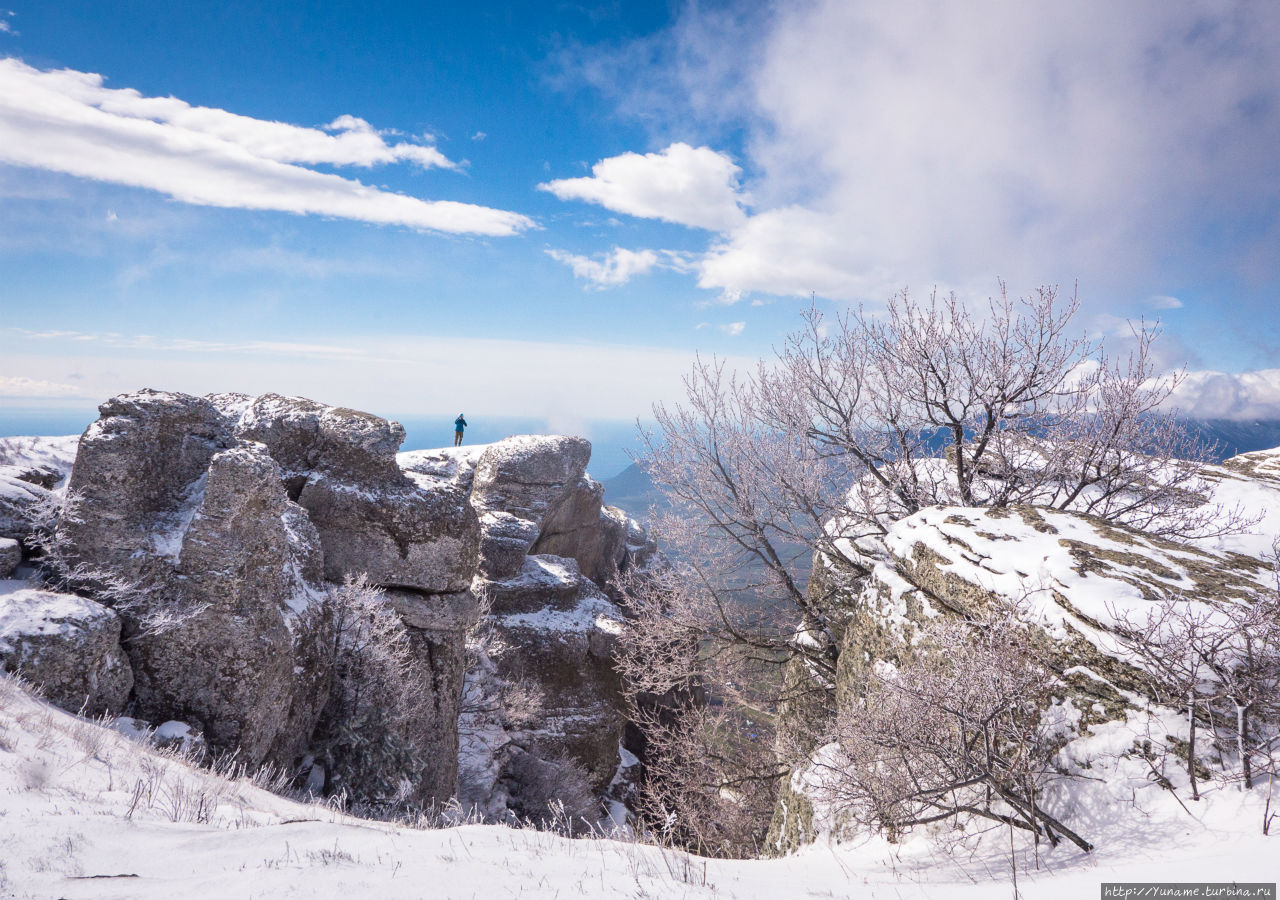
{"x":373,"y":518}
{"x":549,"y":551}
{"x":216,"y":528}
{"x":225,"y":519}
{"x":10,"y":556}
{"x":69,"y":647}
{"x":220,"y":572}
{"x":1078,"y":584}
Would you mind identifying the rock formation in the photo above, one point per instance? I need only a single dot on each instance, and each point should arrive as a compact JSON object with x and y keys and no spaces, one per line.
{"x":550,"y":555}
{"x":216,"y":527}
{"x":65,"y":645}
{"x":1081,"y":584}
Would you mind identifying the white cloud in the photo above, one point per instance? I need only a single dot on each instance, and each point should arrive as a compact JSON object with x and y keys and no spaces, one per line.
{"x":20,"y":386}
{"x":6,"y":28}
{"x":935,"y":142}
{"x":1164,"y":301}
{"x":614,"y":269}
{"x":733,"y":329}
{"x":694,"y":186}
{"x":479,"y":136}
{"x":67,"y":121}
{"x":1239,"y":397}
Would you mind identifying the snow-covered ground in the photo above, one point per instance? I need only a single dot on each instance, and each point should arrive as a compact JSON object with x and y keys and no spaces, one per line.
{"x":54,"y":452}
{"x":86,"y":812}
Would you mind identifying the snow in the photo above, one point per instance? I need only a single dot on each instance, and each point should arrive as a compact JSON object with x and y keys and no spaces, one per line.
{"x":446,"y":463}
{"x":88,"y":813}
{"x":27,"y":610}
{"x":592,"y":612}
{"x":57,"y":453}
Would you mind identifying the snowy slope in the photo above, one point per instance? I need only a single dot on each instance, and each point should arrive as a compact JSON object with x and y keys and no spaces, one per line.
{"x":84,"y":812}
{"x":57,"y":453}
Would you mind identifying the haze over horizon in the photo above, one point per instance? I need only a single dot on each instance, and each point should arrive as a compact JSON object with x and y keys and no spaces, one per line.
{"x":545,"y":212}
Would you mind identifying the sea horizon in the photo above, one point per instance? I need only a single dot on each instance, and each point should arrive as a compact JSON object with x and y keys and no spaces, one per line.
{"x":612,"y":440}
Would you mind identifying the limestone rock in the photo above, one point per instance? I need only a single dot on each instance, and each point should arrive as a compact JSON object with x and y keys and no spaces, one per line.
{"x":528,"y":476}
{"x":402,"y":530}
{"x":435,"y":612}
{"x":564,"y":650}
{"x":137,"y":478}
{"x":10,"y":556}
{"x":238,"y":658}
{"x":67,"y":645}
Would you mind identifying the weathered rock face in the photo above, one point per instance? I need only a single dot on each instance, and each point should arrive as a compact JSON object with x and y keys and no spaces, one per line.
{"x":549,"y":551}
{"x":138,"y":474}
{"x":245,"y":594}
{"x":564,"y":649}
{"x":67,"y":645}
{"x":10,"y":556}
{"x":225,"y":520}
{"x":1078,"y":583}
{"x":340,"y":465}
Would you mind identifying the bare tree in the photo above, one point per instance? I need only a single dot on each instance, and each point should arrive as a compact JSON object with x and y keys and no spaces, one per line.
{"x":859,"y":421}
{"x":956,"y":730}
{"x":1202,"y":653}
{"x":782,"y":480}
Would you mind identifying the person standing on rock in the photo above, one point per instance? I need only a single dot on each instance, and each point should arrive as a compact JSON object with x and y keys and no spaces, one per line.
{"x":458,"y":424}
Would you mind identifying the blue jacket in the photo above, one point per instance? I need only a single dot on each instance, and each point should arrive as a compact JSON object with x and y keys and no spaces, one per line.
{"x":459,"y":423}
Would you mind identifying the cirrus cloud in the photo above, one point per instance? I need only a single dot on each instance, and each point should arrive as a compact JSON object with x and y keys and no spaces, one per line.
{"x":68,"y":121}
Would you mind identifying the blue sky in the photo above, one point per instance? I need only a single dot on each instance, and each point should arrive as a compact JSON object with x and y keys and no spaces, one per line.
{"x":544,"y":210}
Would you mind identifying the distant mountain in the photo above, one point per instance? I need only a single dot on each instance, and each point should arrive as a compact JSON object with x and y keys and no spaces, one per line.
{"x":1234,"y":438}
{"x":634,"y":491}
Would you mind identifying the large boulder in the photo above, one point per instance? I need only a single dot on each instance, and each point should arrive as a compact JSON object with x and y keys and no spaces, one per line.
{"x":230,"y":641}
{"x":10,"y":556}
{"x":217,"y":575}
{"x":66,"y":645}
{"x":552,"y":634}
{"x":401,"y":529}
{"x":518,"y":483}
{"x":138,"y":477}
{"x":1078,"y":584}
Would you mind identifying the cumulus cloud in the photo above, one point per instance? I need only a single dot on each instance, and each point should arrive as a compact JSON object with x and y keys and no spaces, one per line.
{"x":1239,"y":397}
{"x":694,"y":186}
{"x":616,"y":268}
{"x":934,"y":142}
{"x":68,"y":121}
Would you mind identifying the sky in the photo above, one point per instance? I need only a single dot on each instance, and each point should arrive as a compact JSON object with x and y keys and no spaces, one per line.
{"x":545,"y":210}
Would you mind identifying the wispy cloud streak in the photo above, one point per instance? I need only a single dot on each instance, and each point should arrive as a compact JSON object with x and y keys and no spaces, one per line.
{"x":68,"y":121}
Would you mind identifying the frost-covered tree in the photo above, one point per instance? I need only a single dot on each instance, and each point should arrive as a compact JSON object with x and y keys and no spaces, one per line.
{"x":957,"y":730}
{"x":859,"y":420}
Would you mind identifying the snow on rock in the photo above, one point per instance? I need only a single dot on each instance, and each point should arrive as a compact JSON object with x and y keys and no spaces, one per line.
{"x":46,"y":461}
{"x":67,"y":645}
{"x":341,"y":466}
{"x":10,"y":556}
{"x":451,"y":464}
{"x":24,"y":506}
{"x":1079,"y":580}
